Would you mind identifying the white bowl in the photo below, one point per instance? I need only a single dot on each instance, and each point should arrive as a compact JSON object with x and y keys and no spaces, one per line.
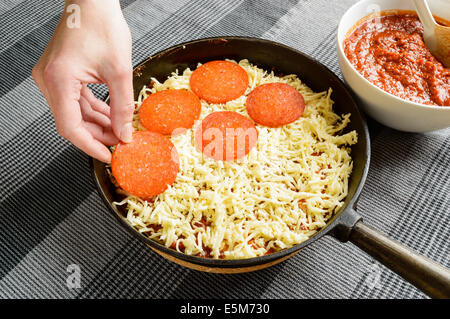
{"x":384,"y":107}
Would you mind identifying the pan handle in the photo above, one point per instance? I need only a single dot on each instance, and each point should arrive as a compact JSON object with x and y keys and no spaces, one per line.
{"x":430,"y":277}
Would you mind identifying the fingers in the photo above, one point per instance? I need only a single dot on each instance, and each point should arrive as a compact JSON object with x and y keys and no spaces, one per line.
{"x":96,"y":116}
{"x":82,"y":138}
{"x":90,"y":138}
{"x":96,"y":104}
{"x":122,"y":104}
{"x":102,"y":134}
{"x":91,"y":115}
{"x":64,"y":100}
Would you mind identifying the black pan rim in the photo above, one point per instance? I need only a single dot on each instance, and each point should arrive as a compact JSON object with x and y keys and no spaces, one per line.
{"x":254,"y":261}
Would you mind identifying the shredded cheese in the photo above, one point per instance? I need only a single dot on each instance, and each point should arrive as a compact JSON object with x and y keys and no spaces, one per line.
{"x":277,"y":196}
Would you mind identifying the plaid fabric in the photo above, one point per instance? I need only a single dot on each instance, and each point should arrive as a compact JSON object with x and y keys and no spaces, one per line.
{"x":52,"y":217}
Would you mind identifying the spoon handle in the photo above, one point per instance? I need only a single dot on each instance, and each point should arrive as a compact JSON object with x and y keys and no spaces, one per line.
{"x":424,"y":13}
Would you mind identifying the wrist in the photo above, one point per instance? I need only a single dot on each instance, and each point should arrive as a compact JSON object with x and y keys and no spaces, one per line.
{"x":93,"y":12}
{"x":94,"y":3}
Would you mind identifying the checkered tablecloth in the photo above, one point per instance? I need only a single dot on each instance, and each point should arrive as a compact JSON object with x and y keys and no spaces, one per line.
{"x":53,"y":224}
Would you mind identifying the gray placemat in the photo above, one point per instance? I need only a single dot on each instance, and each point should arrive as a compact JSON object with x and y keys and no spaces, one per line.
{"x":53,"y":224}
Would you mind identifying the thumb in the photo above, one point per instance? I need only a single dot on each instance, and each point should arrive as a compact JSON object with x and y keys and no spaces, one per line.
{"x":122,"y":104}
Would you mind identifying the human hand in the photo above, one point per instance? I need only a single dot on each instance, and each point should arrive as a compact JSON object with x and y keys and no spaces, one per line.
{"x":98,"y":51}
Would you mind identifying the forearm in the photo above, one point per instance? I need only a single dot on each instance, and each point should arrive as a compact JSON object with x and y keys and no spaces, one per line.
{"x":91,"y":44}
{"x":94,"y":2}
{"x":93,"y":9}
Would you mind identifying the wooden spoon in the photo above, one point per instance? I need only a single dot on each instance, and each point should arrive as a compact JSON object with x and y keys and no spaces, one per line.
{"x":436,"y":37}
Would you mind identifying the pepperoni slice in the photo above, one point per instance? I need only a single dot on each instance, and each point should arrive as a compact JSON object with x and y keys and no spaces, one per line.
{"x":146,"y":166}
{"x":226,"y":135}
{"x":219,"y":81}
{"x":275,"y":104}
{"x":170,"y":111}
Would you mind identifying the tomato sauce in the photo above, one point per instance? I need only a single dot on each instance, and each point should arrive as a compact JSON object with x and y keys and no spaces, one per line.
{"x":390,"y":52}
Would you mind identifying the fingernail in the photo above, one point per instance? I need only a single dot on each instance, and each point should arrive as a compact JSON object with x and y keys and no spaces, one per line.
{"x":126,"y":133}
{"x":107,"y":159}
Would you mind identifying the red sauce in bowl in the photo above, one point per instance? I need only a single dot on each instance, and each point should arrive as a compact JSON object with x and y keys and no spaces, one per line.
{"x":389,"y":51}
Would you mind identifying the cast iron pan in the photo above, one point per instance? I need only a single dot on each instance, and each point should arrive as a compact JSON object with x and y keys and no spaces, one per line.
{"x":346,"y":225}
